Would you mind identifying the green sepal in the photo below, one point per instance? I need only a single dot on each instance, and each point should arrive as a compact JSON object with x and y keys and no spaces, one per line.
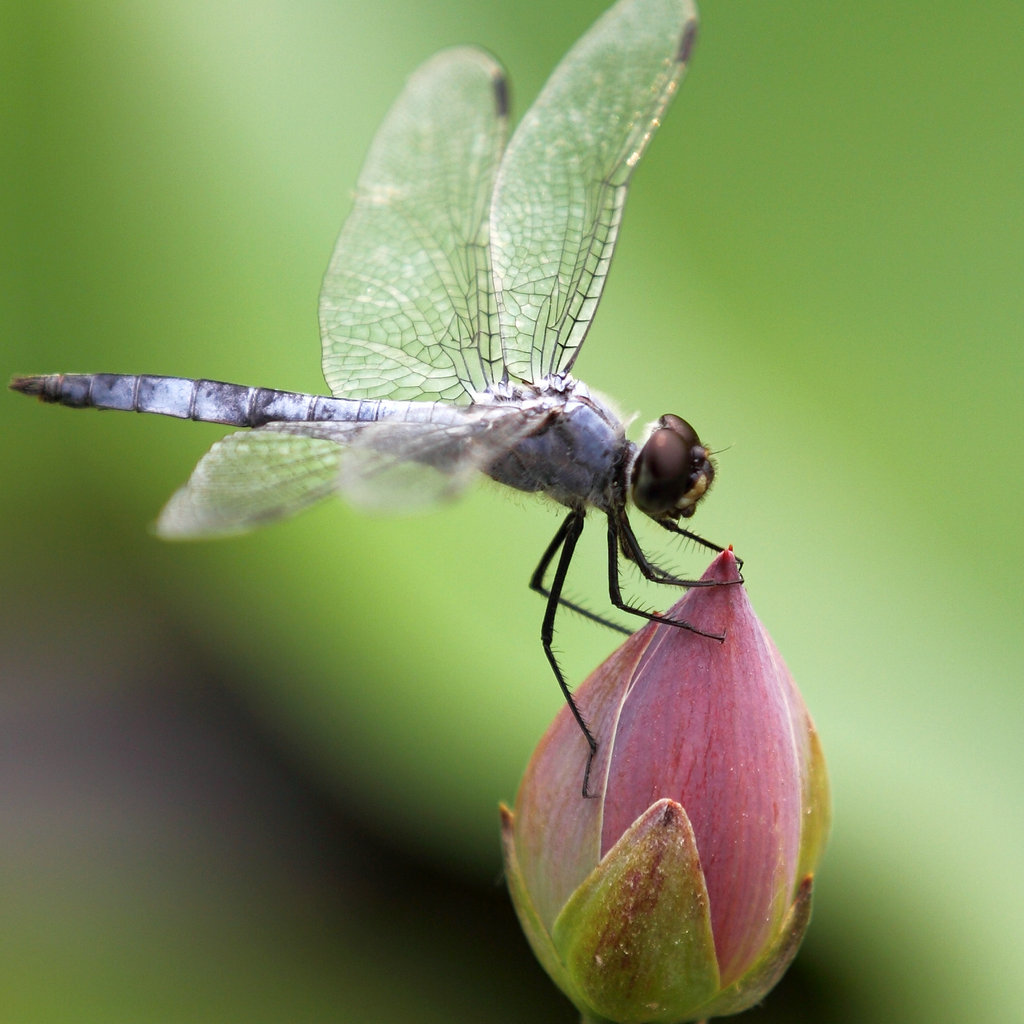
{"x":635,"y":938}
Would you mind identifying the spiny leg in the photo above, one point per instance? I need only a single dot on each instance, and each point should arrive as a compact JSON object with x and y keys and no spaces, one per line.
{"x":620,"y":532}
{"x":630,"y":547}
{"x":566,"y":538}
{"x":537,"y":582}
{"x":675,"y":528}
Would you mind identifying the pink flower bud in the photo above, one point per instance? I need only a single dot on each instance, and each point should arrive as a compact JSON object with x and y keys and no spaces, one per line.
{"x":682,"y":890}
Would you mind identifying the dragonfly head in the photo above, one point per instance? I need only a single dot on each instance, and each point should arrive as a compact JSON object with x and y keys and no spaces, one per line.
{"x":672,"y":472}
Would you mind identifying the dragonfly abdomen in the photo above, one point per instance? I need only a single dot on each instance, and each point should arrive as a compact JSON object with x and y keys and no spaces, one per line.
{"x":209,"y":401}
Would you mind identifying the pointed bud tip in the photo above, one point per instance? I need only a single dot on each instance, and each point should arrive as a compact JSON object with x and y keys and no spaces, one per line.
{"x":724,"y":569}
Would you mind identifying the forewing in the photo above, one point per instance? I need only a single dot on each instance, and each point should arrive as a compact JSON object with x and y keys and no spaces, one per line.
{"x":562,"y":183}
{"x":251,"y":478}
{"x":407,"y":307}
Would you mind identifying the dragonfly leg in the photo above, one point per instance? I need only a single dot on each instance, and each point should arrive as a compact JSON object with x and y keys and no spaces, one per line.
{"x":565,"y":539}
{"x":537,"y":582}
{"x":630,"y":547}
{"x":620,"y":533}
{"x":675,"y":528}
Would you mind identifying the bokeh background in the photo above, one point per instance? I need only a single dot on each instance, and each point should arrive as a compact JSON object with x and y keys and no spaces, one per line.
{"x":256,"y":780}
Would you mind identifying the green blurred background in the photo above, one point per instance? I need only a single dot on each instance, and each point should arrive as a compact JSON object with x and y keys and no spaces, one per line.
{"x":256,"y":780}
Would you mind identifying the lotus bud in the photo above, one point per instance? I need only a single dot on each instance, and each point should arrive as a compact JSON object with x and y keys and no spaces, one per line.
{"x":681,"y":890}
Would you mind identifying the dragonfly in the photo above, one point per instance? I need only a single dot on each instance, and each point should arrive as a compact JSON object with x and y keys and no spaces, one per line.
{"x":457,"y":299}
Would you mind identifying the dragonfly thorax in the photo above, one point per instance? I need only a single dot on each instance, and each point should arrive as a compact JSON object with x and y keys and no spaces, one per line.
{"x":577,"y":455}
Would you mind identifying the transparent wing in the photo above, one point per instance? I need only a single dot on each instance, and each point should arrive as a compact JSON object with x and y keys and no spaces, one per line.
{"x":248,"y":479}
{"x":397,"y":466}
{"x":255,"y":476}
{"x":562,"y":183}
{"x":407,"y":308}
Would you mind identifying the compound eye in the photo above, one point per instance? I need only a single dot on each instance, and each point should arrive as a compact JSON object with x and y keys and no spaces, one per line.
{"x":681,"y":428}
{"x":672,"y":471}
